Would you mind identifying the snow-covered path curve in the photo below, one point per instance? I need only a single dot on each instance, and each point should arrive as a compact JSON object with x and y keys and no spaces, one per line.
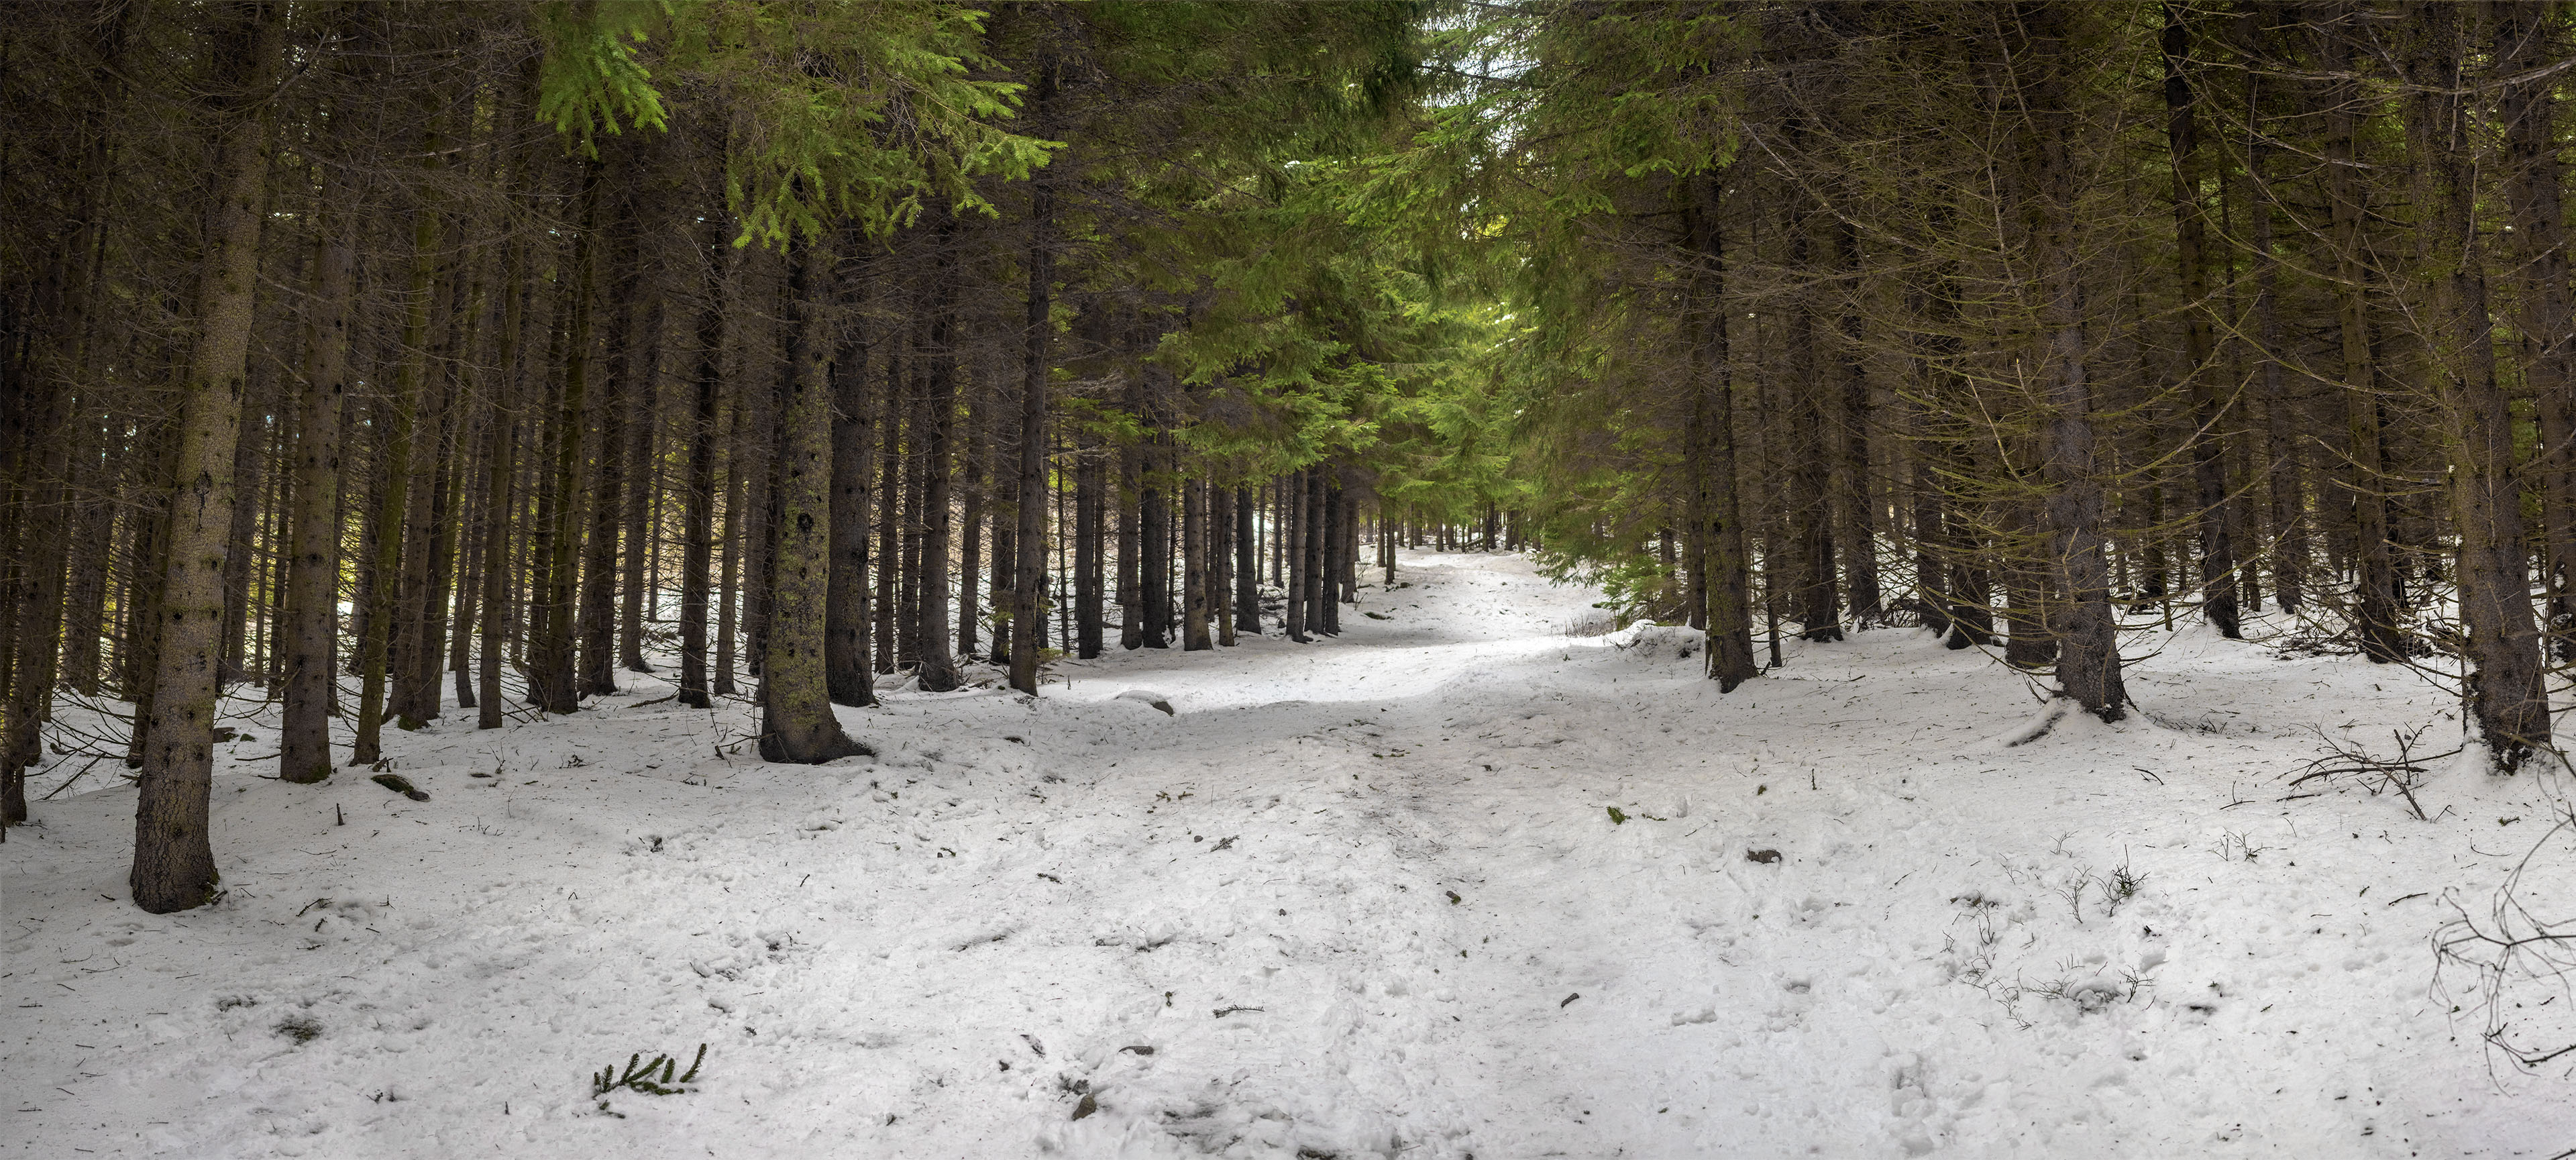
{"x":1360,"y":898}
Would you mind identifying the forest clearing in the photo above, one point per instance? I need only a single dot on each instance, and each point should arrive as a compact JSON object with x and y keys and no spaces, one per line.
{"x":1394,"y":578}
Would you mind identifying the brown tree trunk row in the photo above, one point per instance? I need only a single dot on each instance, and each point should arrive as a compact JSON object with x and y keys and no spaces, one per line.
{"x":2030,"y":399}
{"x":426,"y":392}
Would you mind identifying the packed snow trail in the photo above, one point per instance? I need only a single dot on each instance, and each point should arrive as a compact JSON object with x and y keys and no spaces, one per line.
{"x":1454,"y":884}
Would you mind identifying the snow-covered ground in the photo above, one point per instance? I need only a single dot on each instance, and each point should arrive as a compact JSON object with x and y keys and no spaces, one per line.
{"x":1367,"y":897}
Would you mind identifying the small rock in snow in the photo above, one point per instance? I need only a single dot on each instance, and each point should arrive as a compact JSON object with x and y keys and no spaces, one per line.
{"x":1149,"y":697}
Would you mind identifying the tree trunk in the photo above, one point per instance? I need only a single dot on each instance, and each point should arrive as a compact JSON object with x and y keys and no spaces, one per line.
{"x":1090,"y":482}
{"x":797,"y":724}
{"x":552,"y":666}
{"x":762,"y":376}
{"x":37,"y":613}
{"x":412,"y":657}
{"x":500,"y":499}
{"x":473,"y":487}
{"x":1292,"y":503}
{"x":536,"y":544}
{"x":970,"y":531}
{"x":889,"y":501}
{"x":1336,"y":552}
{"x":2506,"y":696}
{"x":85,"y":601}
{"x":635,"y":579}
{"x":2548,"y":321}
{"x":2208,"y":405}
{"x":147,"y":568}
{"x":1005,"y":558}
{"x":1716,"y":521}
{"x":2283,"y":462}
{"x":1340,"y":580}
{"x":1219,"y":515}
{"x":2375,"y":569}
{"x":1319,"y":530}
{"x":2029,"y":643}
{"x":1972,"y":595}
{"x":2088,"y":653}
{"x":51,"y":392}
{"x":313,"y":577}
{"x":250,"y":444}
{"x":1154,"y":516}
{"x":174,"y":863}
{"x":728,"y":599}
{"x":397,"y":421}
{"x":697,"y":518}
{"x":1194,"y":581}
{"x":1131,"y":601}
{"x":644,"y":483}
{"x":1930,"y":515}
{"x":1386,"y":541}
{"x":445,"y":639}
{"x":845,"y":641}
{"x":1858,"y":493}
{"x":937,"y":671}
{"x":1819,"y":604}
{"x":916,"y":423}
{"x":1155,"y":564}
{"x":1247,"y":564}
{"x":1028,"y":582}
{"x":605,"y":499}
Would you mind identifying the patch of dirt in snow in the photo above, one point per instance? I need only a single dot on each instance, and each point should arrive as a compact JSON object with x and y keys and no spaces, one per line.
{"x":1452,"y":883}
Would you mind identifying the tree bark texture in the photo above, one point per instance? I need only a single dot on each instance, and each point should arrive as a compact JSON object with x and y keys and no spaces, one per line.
{"x":797,"y":724}
{"x":174,"y":863}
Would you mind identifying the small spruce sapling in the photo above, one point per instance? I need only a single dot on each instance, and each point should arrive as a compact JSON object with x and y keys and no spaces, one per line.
{"x":2120,"y":888}
{"x":401,"y":785}
{"x":652,"y":1079}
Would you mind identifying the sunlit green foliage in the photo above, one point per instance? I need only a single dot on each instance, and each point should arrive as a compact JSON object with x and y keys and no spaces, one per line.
{"x":835,"y":112}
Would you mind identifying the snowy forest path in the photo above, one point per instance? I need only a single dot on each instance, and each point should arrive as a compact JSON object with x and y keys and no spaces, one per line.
{"x":1455,"y":883}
